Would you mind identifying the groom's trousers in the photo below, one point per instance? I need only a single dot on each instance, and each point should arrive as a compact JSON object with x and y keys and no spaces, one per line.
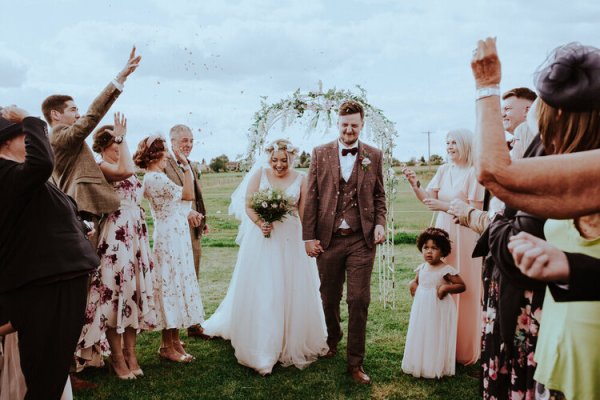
{"x":347,"y":258}
{"x":48,"y":319}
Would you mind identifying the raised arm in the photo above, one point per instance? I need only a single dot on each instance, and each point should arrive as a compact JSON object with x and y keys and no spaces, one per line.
{"x":188,"y":179}
{"x":124,"y":168}
{"x":75,"y":135}
{"x":558,"y":186}
{"x":39,"y":159}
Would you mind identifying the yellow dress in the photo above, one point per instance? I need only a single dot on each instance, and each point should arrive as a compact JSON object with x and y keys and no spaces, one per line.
{"x":567,"y":353}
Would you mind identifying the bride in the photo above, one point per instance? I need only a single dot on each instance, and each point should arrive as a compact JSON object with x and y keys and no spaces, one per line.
{"x":272,"y":311}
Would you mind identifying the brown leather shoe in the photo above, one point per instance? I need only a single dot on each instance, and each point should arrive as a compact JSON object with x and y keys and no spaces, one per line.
{"x":198,"y":332}
{"x":332,"y":352}
{"x":359,"y":375}
{"x":80,"y":384}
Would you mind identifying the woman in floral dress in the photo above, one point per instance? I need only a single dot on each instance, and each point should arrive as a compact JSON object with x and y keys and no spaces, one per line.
{"x":121,"y":300}
{"x":176,"y":289}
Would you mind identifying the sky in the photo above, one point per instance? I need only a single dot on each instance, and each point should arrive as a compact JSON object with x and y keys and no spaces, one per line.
{"x":208,"y":63}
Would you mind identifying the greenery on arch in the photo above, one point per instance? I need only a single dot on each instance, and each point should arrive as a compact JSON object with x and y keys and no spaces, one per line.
{"x":317,"y":110}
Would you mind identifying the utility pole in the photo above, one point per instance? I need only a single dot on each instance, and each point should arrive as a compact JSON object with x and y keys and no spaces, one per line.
{"x":428,"y":133}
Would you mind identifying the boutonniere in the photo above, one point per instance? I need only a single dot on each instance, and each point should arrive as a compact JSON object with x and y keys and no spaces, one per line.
{"x":365,"y":160}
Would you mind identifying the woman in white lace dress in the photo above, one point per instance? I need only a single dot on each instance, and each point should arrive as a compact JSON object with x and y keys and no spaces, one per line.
{"x":176,"y":290}
{"x":272,"y":311}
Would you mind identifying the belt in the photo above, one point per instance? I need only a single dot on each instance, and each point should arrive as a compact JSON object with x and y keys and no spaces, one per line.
{"x":343,"y":232}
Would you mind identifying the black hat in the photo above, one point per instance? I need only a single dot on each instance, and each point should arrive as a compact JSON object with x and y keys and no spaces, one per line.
{"x":9,"y":129}
{"x":569,"y":79}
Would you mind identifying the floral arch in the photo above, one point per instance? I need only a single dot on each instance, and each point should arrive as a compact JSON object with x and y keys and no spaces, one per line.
{"x":320,"y":108}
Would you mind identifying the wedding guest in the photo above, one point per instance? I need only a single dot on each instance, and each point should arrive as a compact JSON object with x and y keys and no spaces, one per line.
{"x":512,"y":303}
{"x":121,"y":300}
{"x":344,"y":221}
{"x":555,"y":186}
{"x":46,"y":256}
{"x":12,"y":381}
{"x":176,"y":291}
{"x":272,"y":311}
{"x":182,"y":140}
{"x":570,"y":276}
{"x":516,"y":104}
{"x":456,"y":180}
{"x":430,"y":349}
{"x":569,"y":120}
{"x":76,"y":172}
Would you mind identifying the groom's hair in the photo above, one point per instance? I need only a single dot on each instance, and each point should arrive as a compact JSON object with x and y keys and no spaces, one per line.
{"x":352,"y":107}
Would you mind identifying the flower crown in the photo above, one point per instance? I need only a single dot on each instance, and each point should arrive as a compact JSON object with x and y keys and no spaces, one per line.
{"x":285,"y":147}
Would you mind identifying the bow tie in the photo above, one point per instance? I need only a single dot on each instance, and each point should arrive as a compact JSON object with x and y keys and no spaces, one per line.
{"x":352,"y":151}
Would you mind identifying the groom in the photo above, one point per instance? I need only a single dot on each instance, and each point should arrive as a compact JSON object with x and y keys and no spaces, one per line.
{"x":344,"y":218}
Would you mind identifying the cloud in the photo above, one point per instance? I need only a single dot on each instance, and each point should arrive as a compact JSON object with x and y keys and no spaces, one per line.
{"x":13,"y":68}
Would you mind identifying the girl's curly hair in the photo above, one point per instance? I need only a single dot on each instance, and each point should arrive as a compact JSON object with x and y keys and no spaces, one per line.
{"x":440,"y":237}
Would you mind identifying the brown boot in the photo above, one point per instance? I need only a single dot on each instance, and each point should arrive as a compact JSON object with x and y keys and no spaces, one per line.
{"x":359,"y":375}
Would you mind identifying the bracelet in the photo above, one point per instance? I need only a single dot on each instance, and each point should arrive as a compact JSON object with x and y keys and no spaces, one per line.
{"x":489,"y":91}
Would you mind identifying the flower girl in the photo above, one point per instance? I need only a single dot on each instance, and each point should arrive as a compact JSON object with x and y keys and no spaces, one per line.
{"x":430,"y":349}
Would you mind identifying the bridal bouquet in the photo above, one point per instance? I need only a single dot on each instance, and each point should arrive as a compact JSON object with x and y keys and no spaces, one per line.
{"x":271,"y":205}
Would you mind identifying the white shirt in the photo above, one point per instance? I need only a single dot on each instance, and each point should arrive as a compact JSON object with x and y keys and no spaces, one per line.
{"x":346,"y":167}
{"x":347,"y":161}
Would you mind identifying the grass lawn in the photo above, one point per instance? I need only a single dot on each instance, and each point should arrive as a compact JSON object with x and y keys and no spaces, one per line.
{"x":216,"y":374}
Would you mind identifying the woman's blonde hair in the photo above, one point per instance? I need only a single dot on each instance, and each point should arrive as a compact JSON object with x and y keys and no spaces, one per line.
{"x":464,"y":143}
{"x":285,"y":145}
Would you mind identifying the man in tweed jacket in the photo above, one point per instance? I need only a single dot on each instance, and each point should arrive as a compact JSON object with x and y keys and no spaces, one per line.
{"x":344,"y":219}
{"x":76,"y":172}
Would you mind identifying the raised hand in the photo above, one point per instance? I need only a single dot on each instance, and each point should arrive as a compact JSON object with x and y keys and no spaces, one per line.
{"x":132,"y":63}
{"x":120,"y":125}
{"x":180,"y":157}
{"x":411,"y":176}
{"x":486,"y":64}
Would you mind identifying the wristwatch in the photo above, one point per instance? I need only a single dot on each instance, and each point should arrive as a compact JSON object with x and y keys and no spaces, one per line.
{"x":118,"y":139}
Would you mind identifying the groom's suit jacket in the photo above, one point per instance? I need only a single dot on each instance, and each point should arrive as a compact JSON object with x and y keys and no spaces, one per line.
{"x":324,"y":189}
{"x":75,"y":171}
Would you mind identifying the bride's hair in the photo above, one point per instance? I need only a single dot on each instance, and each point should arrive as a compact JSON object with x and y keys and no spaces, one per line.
{"x":285,"y":145}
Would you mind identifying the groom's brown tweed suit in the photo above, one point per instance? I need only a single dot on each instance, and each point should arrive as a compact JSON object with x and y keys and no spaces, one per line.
{"x":361,"y":202}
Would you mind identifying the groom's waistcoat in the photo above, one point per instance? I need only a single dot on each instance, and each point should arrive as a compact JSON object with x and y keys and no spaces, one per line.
{"x":347,"y":204}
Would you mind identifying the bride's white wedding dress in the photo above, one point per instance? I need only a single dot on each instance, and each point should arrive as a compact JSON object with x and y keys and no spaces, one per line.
{"x":272,"y":311}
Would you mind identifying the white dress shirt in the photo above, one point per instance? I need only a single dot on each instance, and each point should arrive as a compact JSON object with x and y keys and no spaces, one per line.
{"x":347,"y":161}
{"x":346,"y":167}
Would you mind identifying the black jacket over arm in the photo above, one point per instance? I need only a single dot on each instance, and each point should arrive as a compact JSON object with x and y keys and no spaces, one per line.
{"x":42,"y":239}
{"x":584,"y":280}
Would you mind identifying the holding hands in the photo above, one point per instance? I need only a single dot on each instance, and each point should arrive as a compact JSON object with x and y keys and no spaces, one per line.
{"x":313,"y":248}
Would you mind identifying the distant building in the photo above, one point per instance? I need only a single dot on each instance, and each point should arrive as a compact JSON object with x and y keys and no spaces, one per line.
{"x":233,"y":166}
